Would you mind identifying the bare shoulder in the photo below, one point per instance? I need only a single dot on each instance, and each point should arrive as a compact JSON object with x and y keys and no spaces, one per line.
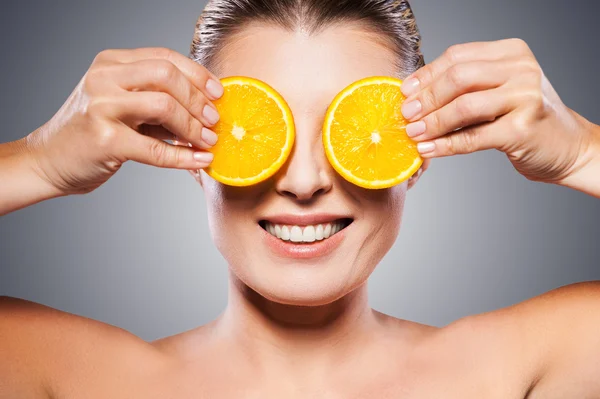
{"x":562,"y":328}
{"x":43,"y":348}
{"x":550,"y":342}
{"x":189,"y":346}
{"x":552,"y":314}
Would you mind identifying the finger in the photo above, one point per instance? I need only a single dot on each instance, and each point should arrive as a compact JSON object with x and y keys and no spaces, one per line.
{"x":425,"y":166}
{"x":461,"y":53}
{"x":160,"y":109}
{"x":419,"y":173}
{"x":453,"y":83}
{"x":480,"y":137}
{"x":158,"y":132}
{"x":201,"y":77}
{"x":468,"y":109}
{"x":161,"y":75}
{"x":150,"y":151}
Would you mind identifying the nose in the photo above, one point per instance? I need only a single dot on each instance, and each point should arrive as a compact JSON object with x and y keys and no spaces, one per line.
{"x":307,"y":174}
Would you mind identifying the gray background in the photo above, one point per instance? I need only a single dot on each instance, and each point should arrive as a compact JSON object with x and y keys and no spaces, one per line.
{"x":137,"y":252}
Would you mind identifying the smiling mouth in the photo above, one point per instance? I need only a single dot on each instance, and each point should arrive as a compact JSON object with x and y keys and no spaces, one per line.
{"x":305,"y":234}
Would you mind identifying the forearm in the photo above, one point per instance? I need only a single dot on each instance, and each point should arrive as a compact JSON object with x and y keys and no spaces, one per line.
{"x":586,"y":175}
{"x":20,"y":184}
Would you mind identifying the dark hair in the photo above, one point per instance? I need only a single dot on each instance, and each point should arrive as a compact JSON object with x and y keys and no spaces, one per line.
{"x":393,"y":19}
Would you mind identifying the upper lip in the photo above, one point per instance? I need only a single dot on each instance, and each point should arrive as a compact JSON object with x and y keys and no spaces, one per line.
{"x":305,"y":220}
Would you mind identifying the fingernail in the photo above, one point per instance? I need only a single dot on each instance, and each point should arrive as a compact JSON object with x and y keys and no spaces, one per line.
{"x":411,"y":109}
{"x":425,"y":148}
{"x":211,"y":115}
{"x":416,"y":129}
{"x":410,"y":86}
{"x":214,"y":88}
{"x":204,"y":157}
{"x":209,"y":136}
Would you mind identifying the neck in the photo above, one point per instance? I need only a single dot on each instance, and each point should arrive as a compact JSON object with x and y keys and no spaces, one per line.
{"x":296,"y":335}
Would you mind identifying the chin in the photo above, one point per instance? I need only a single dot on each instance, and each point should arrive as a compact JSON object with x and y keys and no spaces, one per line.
{"x":302,"y":292}
{"x":302,"y":282}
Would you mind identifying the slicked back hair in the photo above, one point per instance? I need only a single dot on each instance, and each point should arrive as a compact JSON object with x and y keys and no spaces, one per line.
{"x":393,"y":19}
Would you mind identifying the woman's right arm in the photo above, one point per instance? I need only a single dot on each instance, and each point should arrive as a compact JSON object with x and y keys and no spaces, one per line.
{"x":125,"y":107}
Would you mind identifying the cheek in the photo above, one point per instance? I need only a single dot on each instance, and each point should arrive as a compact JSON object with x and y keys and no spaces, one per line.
{"x":383,"y":213}
{"x":230,"y":218}
{"x":224,"y":216}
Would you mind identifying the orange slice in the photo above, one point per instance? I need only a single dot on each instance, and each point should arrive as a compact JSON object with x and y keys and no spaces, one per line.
{"x":364,"y":135}
{"x":256,"y":133}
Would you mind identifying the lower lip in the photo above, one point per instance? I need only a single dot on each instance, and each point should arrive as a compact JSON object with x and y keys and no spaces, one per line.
{"x":293,"y":250}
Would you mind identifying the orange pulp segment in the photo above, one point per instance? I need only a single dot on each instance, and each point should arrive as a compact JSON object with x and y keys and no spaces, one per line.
{"x":256,"y":133}
{"x":364,"y":135}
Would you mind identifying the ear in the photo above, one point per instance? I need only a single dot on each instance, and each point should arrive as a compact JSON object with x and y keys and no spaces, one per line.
{"x":415,"y":178}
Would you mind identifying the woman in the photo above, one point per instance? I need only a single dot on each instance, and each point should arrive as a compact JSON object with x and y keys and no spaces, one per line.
{"x":298,"y":322}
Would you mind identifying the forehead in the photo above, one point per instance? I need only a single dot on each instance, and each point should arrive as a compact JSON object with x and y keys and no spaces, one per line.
{"x":308,"y":70}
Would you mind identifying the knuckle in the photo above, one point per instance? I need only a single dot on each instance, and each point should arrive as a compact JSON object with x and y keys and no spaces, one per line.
{"x":106,"y":137}
{"x":165,"y":72}
{"x":457,"y":76}
{"x":177,"y":157}
{"x":532,"y":66}
{"x":468,"y":142}
{"x":158,"y":152}
{"x":164,"y":105}
{"x":532,"y":72}
{"x":89,"y":82}
{"x":429,"y":99}
{"x":103,"y":56}
{"x":195,"y":101}
{"x":535,"y":99}
{"x":162,"y":52}
{"x":194,"y":129}
{"x":447,"y":145}
{"x":520,"y":127}
{"x":454,"y":52}
{"x":98,"y":107}
{"x":519,"y":43}
{"x":433,"y":123}
{"x":424,"y":75}
{"x":95,"y":78}
{"x":460,"y":143}
{"x":465,"y":108}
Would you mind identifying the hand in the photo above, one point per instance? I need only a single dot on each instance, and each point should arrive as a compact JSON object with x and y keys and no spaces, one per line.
{"x":494,"y":95}
{"x":124,"y":108}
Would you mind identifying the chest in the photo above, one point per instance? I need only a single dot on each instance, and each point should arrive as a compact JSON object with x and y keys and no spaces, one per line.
{"x":237,"y":385}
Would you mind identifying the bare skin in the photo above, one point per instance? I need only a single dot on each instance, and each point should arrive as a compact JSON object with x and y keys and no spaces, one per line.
{"x":290,"y":331}
{"x":543,"y":348}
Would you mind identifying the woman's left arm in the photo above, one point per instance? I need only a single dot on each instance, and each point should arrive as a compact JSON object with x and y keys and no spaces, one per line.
{"x":494,"y":95}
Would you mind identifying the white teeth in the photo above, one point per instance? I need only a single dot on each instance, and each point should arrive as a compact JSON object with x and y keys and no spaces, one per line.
{"x":285,"y":233}
{"x":296,"y":234}
{"x":277,"y":231}
{"x":319,"y":233}
{"x":304,"y":234}
{"x":308,"y":234}
{"x":327,"y":230}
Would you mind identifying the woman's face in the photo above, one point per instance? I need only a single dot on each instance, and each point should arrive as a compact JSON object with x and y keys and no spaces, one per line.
{"x":308,"y":71}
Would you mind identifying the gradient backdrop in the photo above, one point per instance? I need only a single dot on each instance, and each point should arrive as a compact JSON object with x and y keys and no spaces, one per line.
{"x":137,"y":252}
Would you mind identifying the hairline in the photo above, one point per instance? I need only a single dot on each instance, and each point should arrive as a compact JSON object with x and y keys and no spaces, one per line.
{"x":373,"y":33}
